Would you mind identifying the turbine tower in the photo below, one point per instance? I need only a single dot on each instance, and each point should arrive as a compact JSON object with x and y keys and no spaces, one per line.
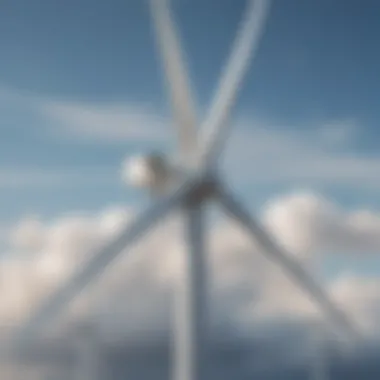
{"x":189,"y":182}
{"x":87,"y":348}
{"x":319,"y":365}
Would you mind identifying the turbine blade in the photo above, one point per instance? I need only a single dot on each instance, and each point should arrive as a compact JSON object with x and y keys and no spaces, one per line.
{"x":177,"y":80}
{"x":291,"y":266}
{"x":99,"y":261}
{"x":215,"y":126}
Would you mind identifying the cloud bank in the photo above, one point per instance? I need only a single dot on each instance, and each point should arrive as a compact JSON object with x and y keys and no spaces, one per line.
{"x":245,"y":287}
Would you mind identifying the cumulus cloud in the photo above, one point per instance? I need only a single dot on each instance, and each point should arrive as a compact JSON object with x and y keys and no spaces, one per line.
{"x":308,"y":222}
{"x":133,"y":300}
{"x":362,"y":296}
{"x":28,"y":234}
{"x":134,"y":295}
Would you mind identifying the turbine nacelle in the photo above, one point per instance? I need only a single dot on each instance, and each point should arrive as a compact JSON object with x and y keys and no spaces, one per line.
{"x":153,"y":172}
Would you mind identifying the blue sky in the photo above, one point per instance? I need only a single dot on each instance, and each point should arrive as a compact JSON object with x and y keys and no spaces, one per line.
{"x":316,"y":67}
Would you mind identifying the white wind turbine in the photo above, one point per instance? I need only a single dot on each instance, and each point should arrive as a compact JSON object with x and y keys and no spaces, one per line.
{"x":189,"y":184}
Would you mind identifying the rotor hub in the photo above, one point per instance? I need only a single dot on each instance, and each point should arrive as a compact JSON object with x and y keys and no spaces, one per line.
{"x":206,"y":190}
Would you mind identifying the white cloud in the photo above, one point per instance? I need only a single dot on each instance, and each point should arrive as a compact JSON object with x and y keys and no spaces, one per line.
{"x":308,"y":222}
{"x":275,"y":156}
{"x":337,"y":133}
{"x":28,"y":234}
{"x":362,"y":297}
{"x":245,"y":286}
{"x":106,"y":122}
{"x":12,"y":177}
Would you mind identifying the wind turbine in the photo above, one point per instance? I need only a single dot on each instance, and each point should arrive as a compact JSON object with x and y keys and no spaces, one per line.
{"x":189,"y":184}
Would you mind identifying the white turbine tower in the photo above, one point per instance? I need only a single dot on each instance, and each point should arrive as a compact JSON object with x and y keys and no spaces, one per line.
{"x":86,"y":366}
{"x":319,"y":368}
{"x":189,"y":184}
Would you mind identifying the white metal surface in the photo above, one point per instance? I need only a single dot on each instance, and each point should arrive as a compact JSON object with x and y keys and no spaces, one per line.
{"x":191,"y":316}
{"x":247,"y":41}
{"x":183,"y":106}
